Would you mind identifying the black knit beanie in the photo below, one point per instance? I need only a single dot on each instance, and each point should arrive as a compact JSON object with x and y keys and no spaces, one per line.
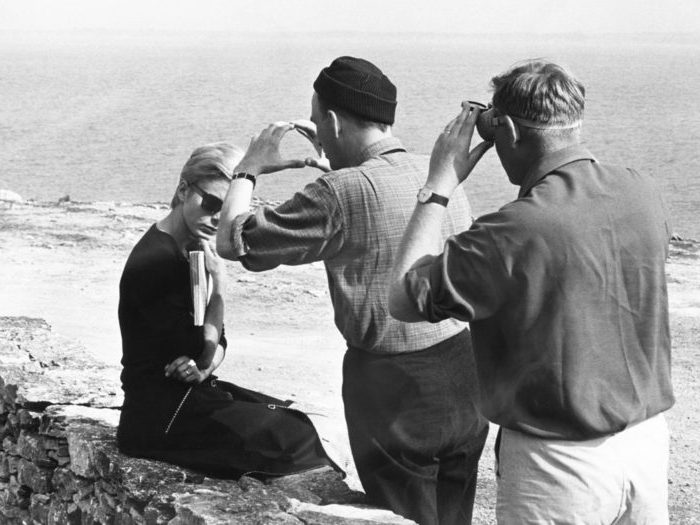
{"x":358,"y":86}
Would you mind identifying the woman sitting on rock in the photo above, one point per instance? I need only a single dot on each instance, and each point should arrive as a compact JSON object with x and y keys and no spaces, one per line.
{"x":174,"y":409}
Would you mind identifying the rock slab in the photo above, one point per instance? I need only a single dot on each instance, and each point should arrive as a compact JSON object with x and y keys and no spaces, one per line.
{"x":59,"y":463}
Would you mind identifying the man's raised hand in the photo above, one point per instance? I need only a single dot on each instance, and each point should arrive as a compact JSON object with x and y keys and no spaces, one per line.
{"x":451,"y":162}
{"x":263,"y":154}
{"x":308,"y":130}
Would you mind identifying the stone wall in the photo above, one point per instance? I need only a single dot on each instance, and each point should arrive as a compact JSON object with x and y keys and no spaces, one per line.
{"x":59,"y":463}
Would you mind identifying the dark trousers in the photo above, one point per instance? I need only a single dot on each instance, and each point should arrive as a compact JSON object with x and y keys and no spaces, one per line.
{"x":415,"y":432}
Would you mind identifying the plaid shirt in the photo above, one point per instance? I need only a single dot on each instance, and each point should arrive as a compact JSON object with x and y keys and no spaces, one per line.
{"x":353,"y":220}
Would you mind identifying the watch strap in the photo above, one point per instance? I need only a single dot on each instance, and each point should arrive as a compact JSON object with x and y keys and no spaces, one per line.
{"x":245,"y":175}
{"x":439,"y":199}
{"x":426,"y":195}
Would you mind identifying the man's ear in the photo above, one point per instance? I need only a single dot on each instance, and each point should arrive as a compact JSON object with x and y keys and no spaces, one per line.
{"x":336,"y":122}
{"x":512,"y":130}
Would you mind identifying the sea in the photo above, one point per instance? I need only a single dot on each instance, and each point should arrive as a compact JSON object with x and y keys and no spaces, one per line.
{"x":113,"y":116}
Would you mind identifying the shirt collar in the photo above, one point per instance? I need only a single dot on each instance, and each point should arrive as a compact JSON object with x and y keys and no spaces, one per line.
{"x":552,"y":162}
{"x":379,"y":148}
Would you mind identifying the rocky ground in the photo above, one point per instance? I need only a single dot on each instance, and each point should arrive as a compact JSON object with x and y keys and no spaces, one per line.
{"x":62,"y":263}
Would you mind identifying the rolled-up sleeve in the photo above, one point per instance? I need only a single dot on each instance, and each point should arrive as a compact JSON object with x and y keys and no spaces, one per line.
{"x":306,"y":228}
{"x":467,"y":281}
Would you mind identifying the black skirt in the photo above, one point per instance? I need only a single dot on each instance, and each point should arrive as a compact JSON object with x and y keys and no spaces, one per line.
{"x":218,"y":428}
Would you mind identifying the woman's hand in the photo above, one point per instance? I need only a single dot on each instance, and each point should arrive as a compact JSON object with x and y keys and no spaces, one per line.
{"x":212,"y":261}
{"x":185,"y":369}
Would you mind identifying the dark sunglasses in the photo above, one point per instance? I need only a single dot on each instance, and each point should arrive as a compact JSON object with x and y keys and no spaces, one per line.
{"x":210,"y":203}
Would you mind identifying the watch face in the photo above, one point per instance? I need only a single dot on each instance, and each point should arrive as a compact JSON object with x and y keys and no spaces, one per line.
{"x":424,"y":194}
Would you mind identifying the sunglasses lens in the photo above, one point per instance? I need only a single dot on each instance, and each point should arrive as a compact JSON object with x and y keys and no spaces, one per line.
{"x":211,"y":204}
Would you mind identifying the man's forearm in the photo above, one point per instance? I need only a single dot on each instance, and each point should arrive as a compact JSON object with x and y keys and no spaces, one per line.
{"x":451,"y":162}
{"x":237,"y":201}
{"x":420,"y":240}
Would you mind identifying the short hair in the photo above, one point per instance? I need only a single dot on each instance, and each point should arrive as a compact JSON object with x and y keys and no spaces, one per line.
{"x":359,"y":121}
{"x":539,"y":91}
{"x":214,"y":160}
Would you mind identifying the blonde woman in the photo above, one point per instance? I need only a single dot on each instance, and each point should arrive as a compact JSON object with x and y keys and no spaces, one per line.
{"x":174,"y":408}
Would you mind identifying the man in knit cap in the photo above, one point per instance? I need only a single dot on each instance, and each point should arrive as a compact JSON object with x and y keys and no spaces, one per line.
{"x":409,"y":389}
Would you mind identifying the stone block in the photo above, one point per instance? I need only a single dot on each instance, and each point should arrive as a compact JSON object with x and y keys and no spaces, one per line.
{"x":4,"y":468}
{"x":261,"y":495}
{"x":18,"y":496}
{"x":159,"y":510}
{"x":11,"y":428}
{"x":8,"y":497}
{"x":28,"y":420}
{"x":51,"y":443}
{"x":10,"y":446}
{"x":140,"y":479}
{"x":61,"y":461}
{"x":39,"y":508}
{"x":61,"y":513}
{"x":9,"y":396}
{"x":310,"y":514}
{"x":248,"y":483}
{"x":67,"y":485}
{"x":84,"y":491}
{"x":12,"y":515}
{"x":300,"y":492}
{"x":6,"y":431}
{"x":106,"y":486}
{"x":8,"y":466}
{"x":53,"y":426}
{"x":124,"y":516}
{"x":89,"y":450}
{"x":106,"y":500}
{"x":34,"y":477}
{"x":92,"y":511}
{"x":206,"y":506}
{"x":216,"y":501}
{"x":31,"y":446}
{"x":135,"y":503}
{"x":319,"y":486}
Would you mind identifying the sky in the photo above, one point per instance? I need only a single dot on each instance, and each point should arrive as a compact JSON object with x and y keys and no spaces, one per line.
{"x":435,"y":16}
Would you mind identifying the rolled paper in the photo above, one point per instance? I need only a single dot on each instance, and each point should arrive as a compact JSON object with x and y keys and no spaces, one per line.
{"x":198,"y":283}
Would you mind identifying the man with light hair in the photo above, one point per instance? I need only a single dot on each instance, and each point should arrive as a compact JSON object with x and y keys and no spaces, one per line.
{"x":565,"y":291}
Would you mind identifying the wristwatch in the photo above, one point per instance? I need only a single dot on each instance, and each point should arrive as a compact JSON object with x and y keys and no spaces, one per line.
{"x":243,"y":175}
{"x":426,"y":195}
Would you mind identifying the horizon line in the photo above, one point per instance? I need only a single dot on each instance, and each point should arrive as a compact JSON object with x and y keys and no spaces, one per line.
{"x":185,"y":31}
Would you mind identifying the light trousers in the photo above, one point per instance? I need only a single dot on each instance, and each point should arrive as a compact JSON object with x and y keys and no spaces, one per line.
{"x":617,"y":479}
